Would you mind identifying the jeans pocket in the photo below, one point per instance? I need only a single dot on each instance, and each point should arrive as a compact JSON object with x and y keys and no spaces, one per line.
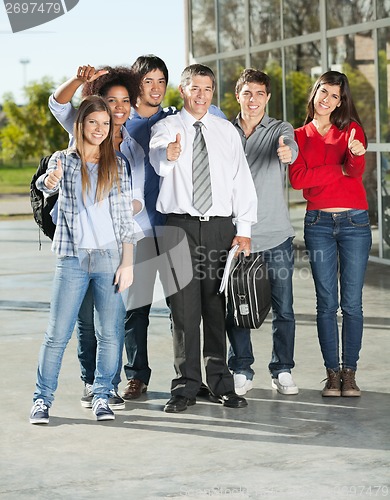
{"x":359,"y":218}
{"x":311,"y":217}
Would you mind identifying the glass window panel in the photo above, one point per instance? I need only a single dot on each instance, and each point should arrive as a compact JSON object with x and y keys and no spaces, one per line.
{"x":302,"y":67}
{"x":385,"y":192}
{"x":203,"y":28}
{"x":264,"y":18}
{"x":213,"y":66}
{"x":300,"y":17}
{"x":341,"y":13}
{"x":230,"y":71}
{"x":384,"y":83}
{"x":354,"y":56}
{"x":270,"y":62}
{"x":297,"y":209}
{"x":231,"y":24}
{"x":383,"y":9}
{"x":370,"y":184}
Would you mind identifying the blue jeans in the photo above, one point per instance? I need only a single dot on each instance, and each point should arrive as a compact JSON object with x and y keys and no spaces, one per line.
{"x":87,"y":342}
{"x":280,"y":267}
{"x":339,"y":244}
{"x":72,"y":278}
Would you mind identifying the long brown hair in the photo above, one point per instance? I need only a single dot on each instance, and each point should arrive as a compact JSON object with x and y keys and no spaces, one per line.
{"x":108,"y":166}
{"x":343,"y":115}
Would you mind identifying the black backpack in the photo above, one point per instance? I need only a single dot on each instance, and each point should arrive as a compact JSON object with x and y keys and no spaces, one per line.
{"x":42,"y":206}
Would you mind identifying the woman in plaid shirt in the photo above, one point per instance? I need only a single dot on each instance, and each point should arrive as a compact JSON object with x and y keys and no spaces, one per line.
{"x":94,"y":243}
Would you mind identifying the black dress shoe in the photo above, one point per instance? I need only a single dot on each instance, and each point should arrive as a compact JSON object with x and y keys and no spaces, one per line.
{"x":231,"y":400}
{"x":178,"y":403}
{"x":205,"y":393}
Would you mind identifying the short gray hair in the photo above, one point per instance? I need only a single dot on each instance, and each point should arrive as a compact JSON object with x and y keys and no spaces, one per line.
{"x":194,"y":70}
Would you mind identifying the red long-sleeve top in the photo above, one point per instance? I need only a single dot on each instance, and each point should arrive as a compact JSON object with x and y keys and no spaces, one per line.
{"x":318,"y":168}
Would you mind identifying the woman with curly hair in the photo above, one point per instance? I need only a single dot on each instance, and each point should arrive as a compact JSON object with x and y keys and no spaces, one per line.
{"x":119,"y":87}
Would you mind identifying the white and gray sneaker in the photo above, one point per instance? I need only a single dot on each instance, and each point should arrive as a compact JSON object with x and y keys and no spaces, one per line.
{"x":101,"y":410}
{"x":115,"y":402}
{"x":285,"y":384}
{"x":87,"y":397}
{"x":241,"y":384}
{"x":39,"y":413}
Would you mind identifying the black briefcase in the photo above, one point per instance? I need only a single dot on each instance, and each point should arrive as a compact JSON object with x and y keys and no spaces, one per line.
{"x":249,"y":291}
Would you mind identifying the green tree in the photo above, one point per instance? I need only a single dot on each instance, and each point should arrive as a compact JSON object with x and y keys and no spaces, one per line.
{"x":297,"y":89}
{"x":363,"y":95}
{"x":31,"y":131}
{"x":384,"y":106}
{"x":173,"y":97}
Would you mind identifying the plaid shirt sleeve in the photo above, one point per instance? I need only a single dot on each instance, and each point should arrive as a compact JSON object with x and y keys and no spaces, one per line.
{"x":121,"y":207}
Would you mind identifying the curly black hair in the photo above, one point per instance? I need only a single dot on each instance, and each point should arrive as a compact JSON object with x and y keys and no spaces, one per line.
{"x":119,"y":75}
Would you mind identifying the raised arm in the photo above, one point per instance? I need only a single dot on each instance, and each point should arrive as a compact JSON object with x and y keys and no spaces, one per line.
{"x":84,"y":74}
{"x":59,"y":102}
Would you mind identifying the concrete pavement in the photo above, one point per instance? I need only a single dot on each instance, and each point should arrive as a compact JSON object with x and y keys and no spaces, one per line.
{"x":279,"y":447}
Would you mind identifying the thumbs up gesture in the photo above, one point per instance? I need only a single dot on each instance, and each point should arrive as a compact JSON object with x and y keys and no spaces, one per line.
{"x":174,"y":149}
{"x":54,"y":176}
{"x":284,"y":151}
{"x":354,"y":145}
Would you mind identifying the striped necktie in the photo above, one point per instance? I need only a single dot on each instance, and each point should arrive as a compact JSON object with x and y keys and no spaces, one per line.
{"x":202,"y":197}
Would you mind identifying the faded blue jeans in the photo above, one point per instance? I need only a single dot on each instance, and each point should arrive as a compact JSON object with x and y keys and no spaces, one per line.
{"x":280,"y":266}
{"x":72,"y":277}
{"x":339,"y":244}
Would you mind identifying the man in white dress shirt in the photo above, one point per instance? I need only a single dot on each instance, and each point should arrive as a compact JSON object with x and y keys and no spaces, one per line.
{"x":231,"y":209}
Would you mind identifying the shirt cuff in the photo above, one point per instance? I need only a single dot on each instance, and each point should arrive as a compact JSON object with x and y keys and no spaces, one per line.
{"x":56,"y":106}
{"x":243,"y":229}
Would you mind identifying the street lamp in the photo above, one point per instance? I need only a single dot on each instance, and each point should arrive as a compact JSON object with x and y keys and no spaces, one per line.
{"x":24,"y":63}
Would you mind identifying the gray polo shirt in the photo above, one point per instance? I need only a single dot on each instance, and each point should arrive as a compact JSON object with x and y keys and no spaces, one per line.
{"x":273,"y":225}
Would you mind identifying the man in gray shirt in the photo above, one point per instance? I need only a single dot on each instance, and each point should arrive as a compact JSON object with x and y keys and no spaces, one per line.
{"x":269,"y":146}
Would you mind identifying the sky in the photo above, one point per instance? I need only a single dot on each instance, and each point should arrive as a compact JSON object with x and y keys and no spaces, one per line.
{"x":95,"y":32}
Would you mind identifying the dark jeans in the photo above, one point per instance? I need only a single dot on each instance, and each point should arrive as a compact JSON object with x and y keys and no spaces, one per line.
{"x":339,"y":244}
{"x":136,"y":344}
{"x":147,"y":264}
{"x":280,"y":266}
{"x":140,"y":298}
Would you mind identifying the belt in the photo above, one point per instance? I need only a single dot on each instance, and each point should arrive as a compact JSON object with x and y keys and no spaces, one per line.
{"x":201,"y":218}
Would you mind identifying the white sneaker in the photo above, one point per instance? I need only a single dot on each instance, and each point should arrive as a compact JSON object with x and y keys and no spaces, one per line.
{"x":284,"y":384}
{"x":241,"y":384}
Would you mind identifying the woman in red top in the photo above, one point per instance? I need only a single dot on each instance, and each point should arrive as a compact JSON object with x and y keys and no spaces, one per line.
{"x":329,"y":169}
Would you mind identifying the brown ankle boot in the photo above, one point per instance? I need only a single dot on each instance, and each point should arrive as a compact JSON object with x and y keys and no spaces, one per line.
{"x":349,"y":386}
{"x":333,"y":384}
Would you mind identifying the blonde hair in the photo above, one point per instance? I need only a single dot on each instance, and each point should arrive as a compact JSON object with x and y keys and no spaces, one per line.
{"x":108,"y":163}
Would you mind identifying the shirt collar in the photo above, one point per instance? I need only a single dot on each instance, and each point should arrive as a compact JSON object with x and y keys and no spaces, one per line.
{"x":189,"y":120}
{"x":125,"y":134}
{"x":264,"y":122}
{"x":72,"y":151}
{"x":134,"y":114}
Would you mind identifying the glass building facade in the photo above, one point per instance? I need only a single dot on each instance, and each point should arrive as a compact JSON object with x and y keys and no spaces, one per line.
{"x":294,"y":41}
